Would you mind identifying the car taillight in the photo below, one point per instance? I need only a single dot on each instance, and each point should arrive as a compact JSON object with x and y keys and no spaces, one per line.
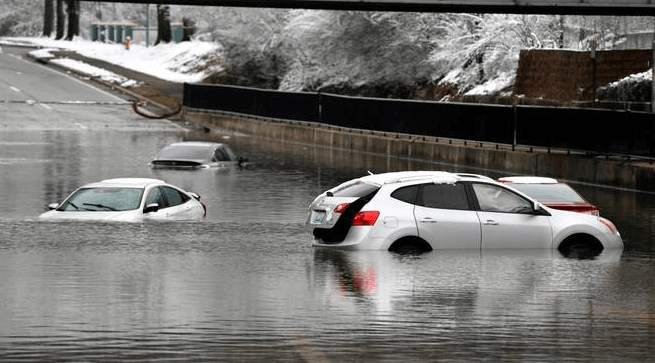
{"x":366,"y":218}
{"x":608,"y":224}
{"x":341,"y":207}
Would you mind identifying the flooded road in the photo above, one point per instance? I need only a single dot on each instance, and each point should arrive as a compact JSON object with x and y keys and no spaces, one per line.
{"x":245,"y":285}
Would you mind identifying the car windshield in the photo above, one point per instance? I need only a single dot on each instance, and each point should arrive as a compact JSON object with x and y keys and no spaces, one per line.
{"x":103,"y":199}
{"x":184,"y":152}
{"x":550,"y":193}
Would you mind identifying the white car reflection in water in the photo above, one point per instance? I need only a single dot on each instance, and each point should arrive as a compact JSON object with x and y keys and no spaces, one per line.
{"x":128,"y":200}
{"x":467,"y":282}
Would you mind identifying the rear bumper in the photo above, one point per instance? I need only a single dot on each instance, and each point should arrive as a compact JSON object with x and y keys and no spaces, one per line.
{"x":358,"y":238}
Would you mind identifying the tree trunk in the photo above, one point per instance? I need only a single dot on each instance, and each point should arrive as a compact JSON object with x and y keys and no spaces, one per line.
{"x":48,"y":18}
{"x":163,"y":24}
{"x":61,"y":19}
{"x":73,"y":19}
{"x":189,"y":29}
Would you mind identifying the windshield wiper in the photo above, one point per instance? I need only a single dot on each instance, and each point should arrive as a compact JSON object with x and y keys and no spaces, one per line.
{"x":99,"y":206}
{"x":74,"y":206}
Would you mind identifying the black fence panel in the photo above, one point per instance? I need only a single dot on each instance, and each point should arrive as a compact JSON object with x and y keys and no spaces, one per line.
{"x":252,"y":101}
{"x":594,"y":130}
{"x":643,"y":134}
{"x":488,"y":123}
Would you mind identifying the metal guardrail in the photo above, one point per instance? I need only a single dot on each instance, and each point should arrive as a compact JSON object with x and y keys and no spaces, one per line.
{"x":591,"y":131}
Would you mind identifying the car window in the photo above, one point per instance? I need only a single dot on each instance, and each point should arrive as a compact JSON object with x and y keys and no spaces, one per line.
{"x":221,"y":154}
{"x":183,"y":152}
{"x":356,"y":189}
{"x":550,"y":193}
{"x":155,"y":196}
{"x":493,"y":198}
{"x":174,"y":196}
{"x":444,"y":196}
{"x":406,"y":194}
{"x":103,"y":199}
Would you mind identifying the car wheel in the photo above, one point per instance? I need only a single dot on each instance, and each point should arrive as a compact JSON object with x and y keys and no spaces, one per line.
{"x":410,"y":245}
{"x":580,"y":247}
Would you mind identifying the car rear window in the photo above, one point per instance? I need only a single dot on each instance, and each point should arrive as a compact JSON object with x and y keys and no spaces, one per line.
{"x":550,"y":193}
{"x":184,"y":152}
{"x":357,"y":189}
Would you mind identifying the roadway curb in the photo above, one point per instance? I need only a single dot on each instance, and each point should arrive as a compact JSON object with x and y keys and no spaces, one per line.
{"x":48,"y":61}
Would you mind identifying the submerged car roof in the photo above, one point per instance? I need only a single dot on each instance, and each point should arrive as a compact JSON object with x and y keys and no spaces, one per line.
{"x":407,"y":176}
{"x":528,"y":180}
{"x":195,"y":143}
{"x":125,"y":182}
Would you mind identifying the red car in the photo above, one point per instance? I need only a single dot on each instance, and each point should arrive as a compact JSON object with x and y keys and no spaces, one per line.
{"x":551,"y":193}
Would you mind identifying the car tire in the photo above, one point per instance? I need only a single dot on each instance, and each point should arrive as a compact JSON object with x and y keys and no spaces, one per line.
{"x":580,"y":247}
{"x":410,"y":246}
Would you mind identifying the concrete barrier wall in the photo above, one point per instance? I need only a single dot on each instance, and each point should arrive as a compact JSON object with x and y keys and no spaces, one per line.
{"x":502,"y":158}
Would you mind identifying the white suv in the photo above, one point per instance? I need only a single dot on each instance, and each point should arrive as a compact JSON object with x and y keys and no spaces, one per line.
{"x":425,"y":210}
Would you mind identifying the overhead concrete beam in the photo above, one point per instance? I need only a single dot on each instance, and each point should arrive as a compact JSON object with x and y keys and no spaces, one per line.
{"x":562,"y":7}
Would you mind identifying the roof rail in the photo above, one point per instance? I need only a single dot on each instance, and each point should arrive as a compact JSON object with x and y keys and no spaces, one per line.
{"x":469,"y":175}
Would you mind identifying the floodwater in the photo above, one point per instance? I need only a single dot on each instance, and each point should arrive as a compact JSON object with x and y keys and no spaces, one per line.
{"x":245,"y":284}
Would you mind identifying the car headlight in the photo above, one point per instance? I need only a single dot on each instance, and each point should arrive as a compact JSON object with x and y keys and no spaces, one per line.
{"x":608,"y":224}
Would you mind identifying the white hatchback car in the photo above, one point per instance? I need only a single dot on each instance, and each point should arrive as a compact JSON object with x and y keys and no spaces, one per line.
{"x":128,"y":200}
{"x":425,"y":210}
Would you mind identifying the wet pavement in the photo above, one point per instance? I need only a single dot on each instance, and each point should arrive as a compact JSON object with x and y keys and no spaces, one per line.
{"x":245,"y":285}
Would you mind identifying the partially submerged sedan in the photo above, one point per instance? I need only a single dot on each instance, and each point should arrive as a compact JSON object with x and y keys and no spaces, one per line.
{"x":425,"y":210}
{"x":128,"y":200}
{"x":195,"y":155}
{"x":551,"y":192}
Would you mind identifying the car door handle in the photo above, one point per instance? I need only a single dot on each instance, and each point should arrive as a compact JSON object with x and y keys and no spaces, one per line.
{"x":490,"y":222}
{"x":428,"y":220}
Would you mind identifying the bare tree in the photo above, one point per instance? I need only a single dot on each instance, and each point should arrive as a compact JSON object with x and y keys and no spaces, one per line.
{"x":164,"y":33}
{"x":48,"y":18}
{"x":189,"y":29}
{"x":61,"y":19}
{"x":73,"y":8}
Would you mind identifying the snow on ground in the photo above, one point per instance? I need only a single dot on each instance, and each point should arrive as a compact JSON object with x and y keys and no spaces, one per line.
{"x":176,"y":62}
{"x":190,"y":61}
{"x":635,"y":78}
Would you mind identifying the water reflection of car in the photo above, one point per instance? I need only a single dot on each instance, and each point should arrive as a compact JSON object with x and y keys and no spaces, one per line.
{"x":129,"y":200}
{"x":551,"y":193}
{"x":195,"y":155}
{"x":427,"y":210}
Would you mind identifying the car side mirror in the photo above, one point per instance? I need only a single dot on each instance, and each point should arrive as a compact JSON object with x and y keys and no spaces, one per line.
{"x":53,"y":206}
{"x":153,"y":207}
{"x":538,"y":210}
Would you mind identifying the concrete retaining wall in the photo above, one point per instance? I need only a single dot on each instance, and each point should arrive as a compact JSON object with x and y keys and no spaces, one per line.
{"x":502,"y":158}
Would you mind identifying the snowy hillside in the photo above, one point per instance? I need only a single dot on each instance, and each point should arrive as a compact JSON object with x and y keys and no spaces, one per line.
{"x":381,"y":54}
